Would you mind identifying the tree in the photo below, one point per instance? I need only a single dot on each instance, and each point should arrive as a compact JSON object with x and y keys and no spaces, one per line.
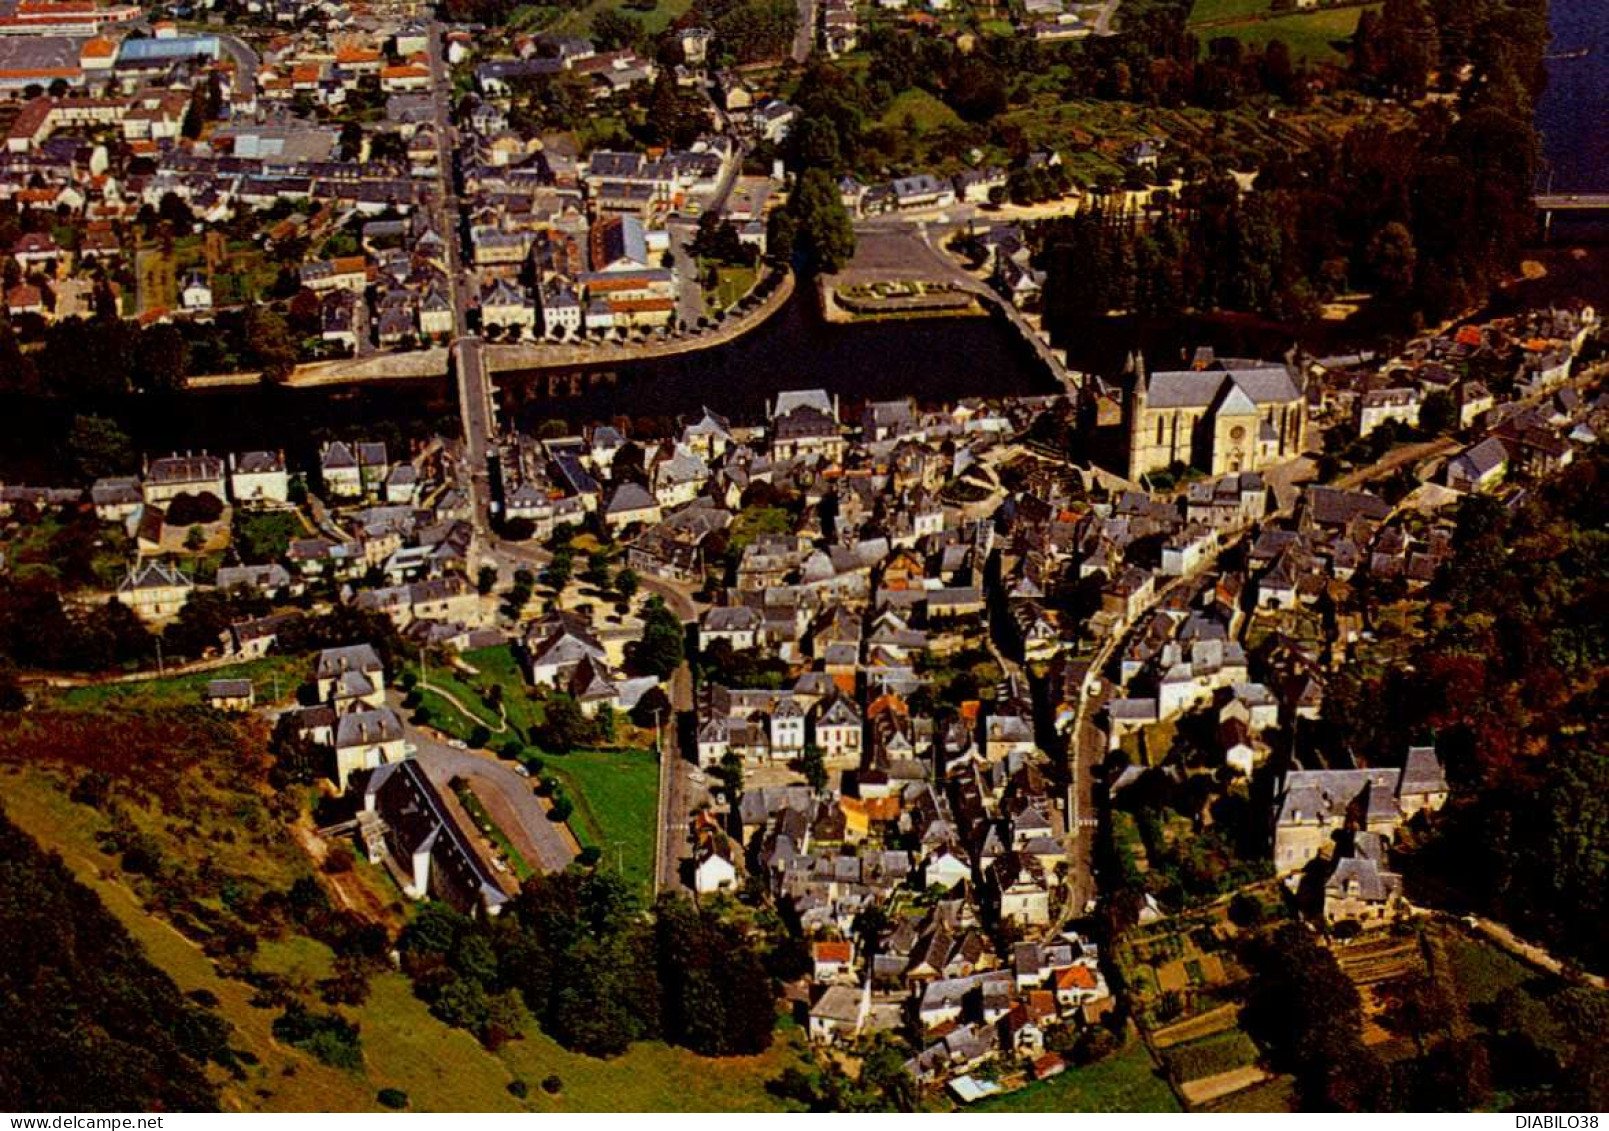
{"x":824,"y":232}
{"x":730,"y":774}
{"x":660,"y":651}
{"x":781,"y":236}
{"x":1392,"y":257}
{"x":99,"y":447}
{"x":564,"y":727}
{"x":486,"y":580}
{"x":1308,"y":1014}
{"x":626,"y":583}
{"x":161,"y":359}
{"x":557,"y":574}
{"x":1439,"y":413}
{"x":652,"y":709}
{"x":717,"y":997}
{"x":81,"y":992}
{"x":351,"y":143}
{"x":673,"y":117}
{"x":195,"y":115}
{"x":269,"y":341}
{"x":613,"y":29}
{"x":814,"y":767}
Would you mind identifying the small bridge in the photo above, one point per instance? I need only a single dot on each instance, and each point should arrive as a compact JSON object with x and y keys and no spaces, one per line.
{"x":1569,"y":203}
{"x":1572,"y":202}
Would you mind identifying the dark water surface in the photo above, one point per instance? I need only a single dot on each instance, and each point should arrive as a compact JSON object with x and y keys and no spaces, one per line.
{"x":934,"y":359}
{"x":1573,"y":113}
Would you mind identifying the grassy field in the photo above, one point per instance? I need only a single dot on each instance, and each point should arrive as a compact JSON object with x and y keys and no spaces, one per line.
{"x":1215,"y":11}
{"x":733,"y":283}
{"x":651,"y":1077}
{"x":917,"y":109}
{"x":493,"y":666}
{"x":1318,"y":37}
{"x":157,"y":277}
{"x":1125,"y":1081}
{"x":1208,"y":1056}
{"x":655,"y":20}
{"x":1482,"y":971}
{"x":404,"y":1047}
{"x":499,"y":666}
{"x":1278,"y":1094}
{"x":616,"y":795}
{"x":185,"y":690}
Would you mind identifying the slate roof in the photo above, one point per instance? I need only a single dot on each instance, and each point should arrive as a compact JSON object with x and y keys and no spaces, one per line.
{"x":1191,"y":388}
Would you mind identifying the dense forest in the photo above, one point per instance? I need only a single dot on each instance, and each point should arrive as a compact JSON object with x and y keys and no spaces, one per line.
{"x":577,"y":952}
{"x":1509,"y":682}
{"x":1427,"y":218}
{"x":86,"y":1022}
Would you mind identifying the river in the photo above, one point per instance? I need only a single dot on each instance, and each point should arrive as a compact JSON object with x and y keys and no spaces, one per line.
{"x":1572,"y":117}
{"x":1573,"y":113}
{"x":935,"y":359}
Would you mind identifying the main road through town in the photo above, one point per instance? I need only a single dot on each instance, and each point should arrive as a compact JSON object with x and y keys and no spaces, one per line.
{"x":475,"y":395}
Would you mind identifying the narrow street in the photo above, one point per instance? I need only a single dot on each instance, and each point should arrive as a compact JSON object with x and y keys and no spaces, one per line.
{"x":678,"y":792}
{"x":689,"y":288}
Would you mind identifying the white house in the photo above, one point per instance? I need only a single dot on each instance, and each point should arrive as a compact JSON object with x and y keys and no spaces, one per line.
{"x":197,"y":293}
{"x":714,"y":870}
{"x":259,"y":477}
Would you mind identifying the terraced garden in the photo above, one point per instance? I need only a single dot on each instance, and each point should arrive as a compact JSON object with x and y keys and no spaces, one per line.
{"x":1184,"y":985}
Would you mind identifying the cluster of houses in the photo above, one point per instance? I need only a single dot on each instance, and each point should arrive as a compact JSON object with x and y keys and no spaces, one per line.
{"x":226,"y":131}
{"x":1505,"y":385}
{"x":901,"y":548}
{"x":396,"y":541}
{"x":838,"y":26}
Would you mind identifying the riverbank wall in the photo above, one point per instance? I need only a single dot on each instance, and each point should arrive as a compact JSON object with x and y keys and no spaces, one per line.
{"x":528,"y":356}
{"x":511,"y":358}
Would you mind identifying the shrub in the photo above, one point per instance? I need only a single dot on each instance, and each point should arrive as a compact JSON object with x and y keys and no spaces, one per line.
{"x":394,"y":1098}
{"x":1246,"y":910}
{"x":186,"y":509}
{"x":519,"y":1089}
{"x":552,"y":1085}
{"x":327,"y":1036}
{"x":339,"y":859}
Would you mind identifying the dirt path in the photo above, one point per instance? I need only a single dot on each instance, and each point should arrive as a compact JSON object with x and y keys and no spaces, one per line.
{"x":349,"y":891}
{"x":1210,"y":1088}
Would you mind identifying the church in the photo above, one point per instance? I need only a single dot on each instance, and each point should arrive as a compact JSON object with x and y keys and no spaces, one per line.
{"x":1221,"y":416}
